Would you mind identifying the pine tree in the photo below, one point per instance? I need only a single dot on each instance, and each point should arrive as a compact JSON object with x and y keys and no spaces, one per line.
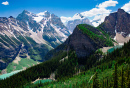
{"x":115,"y":77}
{"x":103,"y":84}
{"x":127,"y":78}
{"x":122,"y":78}
{"x":107,"y":83}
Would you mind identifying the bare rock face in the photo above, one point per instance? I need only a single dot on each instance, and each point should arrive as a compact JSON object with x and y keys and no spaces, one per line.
{"x":120,"y":39}
{"x":81,"y":43}
{"x":117,"y":22}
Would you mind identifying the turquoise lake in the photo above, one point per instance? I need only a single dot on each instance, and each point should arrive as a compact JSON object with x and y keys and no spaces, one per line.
{"x":4,"y":76}
{"x":115,"y":47}
{"x":43,"y":81}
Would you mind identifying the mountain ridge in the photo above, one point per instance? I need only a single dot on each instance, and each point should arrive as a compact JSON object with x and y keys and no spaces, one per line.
{"x":84,"y":40}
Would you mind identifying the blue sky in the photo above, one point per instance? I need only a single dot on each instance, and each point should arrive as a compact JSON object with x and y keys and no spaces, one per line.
{"x":65,"y":8}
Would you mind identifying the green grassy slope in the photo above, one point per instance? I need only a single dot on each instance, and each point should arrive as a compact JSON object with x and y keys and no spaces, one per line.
{"x":98,"y":35}
{"x":24,"y":62}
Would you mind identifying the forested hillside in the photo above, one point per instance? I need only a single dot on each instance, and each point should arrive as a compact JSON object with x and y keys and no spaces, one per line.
{"x":113,"y":71}
{"x":108,"y":65}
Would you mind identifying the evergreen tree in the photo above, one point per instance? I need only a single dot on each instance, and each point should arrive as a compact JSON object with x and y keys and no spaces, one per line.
{"x":122,"y":78}
{"x":127,"y":77}
{"x":107,"y":83}
{"x":103,"y":83}
{"x":115,"y":77}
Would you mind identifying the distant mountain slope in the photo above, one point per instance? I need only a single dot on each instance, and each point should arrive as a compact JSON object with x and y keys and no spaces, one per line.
{"x":78,"y":18}
{"x":117,"y":22}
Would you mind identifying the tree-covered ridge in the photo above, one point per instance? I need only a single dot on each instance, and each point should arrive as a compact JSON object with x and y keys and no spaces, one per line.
{"x":113,"y":71}
{"x":94,"y":33}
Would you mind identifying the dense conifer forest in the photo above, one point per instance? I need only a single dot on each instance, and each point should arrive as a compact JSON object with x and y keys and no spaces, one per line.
{"x":113,"y":71}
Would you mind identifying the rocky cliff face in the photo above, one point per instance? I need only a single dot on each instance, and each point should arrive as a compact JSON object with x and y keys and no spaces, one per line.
{"x":81,"y":43}
{"x":117,"y":22}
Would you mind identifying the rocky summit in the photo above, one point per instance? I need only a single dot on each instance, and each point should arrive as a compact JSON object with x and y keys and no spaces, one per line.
{"x":117,"y":22}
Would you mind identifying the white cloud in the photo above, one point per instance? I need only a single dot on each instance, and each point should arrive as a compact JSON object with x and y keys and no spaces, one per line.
{"x":5,"y":3}
{"x":98,"y":19}
{"x":107,"y":4}
{"x":100,"y":9}
{"x":98,"y":13}
{"x":95,"y":11}
{"x":126,"y":7}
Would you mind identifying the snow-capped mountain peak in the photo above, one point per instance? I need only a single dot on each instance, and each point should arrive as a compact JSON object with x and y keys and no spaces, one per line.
{"x":38,"y":18}
{"x":45,"y":25}
{"x":25,"y":12}
{"x":42,"y":15}
{"x":71,"y":22}
{"x":78,"y":16}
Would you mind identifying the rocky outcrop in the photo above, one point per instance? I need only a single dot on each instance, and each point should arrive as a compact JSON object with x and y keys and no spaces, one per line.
{"x":81,"y":43}
{"x":117,"y":22}
{"x":120,"y":39}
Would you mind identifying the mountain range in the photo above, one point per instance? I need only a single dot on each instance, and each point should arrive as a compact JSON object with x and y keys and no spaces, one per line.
{"x":29,"y":36}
